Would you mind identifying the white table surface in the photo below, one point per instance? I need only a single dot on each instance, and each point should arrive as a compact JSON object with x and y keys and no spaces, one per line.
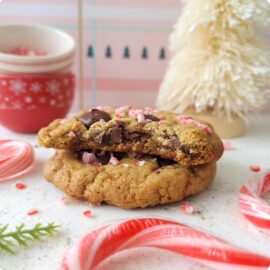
{"x":218,"y":205}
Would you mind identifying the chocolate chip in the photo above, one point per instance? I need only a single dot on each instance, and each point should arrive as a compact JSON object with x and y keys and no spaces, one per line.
{"x":115,"y":135}
{"x":103,"y":157}
{"x":132,"y":135}
{"x":151,"y":117}
{"x":94,"y":116}
{"x":185,"y":149}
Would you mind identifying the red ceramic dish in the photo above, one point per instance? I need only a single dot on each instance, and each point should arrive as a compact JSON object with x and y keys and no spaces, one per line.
{"x":29,"y":102}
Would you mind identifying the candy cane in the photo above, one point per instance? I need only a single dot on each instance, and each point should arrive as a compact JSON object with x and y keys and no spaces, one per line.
{"x":16,"y":158}
{"x":111,"y":239}
{"x":251,"y":204}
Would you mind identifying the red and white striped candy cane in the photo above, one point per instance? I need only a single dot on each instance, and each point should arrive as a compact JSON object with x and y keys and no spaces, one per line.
{"x":16,"y":158}
{"x":251,"y":203}
{"x":110,"y":239}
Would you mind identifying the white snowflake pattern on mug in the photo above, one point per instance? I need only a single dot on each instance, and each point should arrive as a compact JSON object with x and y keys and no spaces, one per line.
{"x":3,"y":83}
{"x":42,"y":100}
{"x":28,"y":100}
{"x":17,"y":86}
{"x":53,"y":87}
{"x":53,"y":102}
{"x":36,"y":87}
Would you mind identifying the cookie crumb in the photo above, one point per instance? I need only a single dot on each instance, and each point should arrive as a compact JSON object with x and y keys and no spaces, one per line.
{"x":20,"y":185}
{"x":32,"y":212}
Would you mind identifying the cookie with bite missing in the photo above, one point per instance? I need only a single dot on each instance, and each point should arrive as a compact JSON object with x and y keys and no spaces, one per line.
{"x":166,"y":134}
{"x":125,"y":180}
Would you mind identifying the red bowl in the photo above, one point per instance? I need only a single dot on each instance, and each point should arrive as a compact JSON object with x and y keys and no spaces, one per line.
{"x":29,"y":102}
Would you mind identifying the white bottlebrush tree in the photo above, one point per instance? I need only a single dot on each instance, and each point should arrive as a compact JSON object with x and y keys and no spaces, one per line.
{"x":219,"y":59}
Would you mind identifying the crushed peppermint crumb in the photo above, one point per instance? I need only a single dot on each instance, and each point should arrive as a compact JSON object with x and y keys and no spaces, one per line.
{"x":188,"y":208}
{"x":67,"y":200}
{"x":89,"y":158}
{"x":140,"y":118}
{"x":255,"y":168}
{"x":71,"y":134}
{"x":87,"y":213}
{"x":119,"y":114}
{"x":114,"y":161}
{"x":140,"y":163}
{"x":158,"y":170}
{"x":104,"y":108}
{"x":20,"y":185}
{"x":227,"y":146}
{"x":185,"y":120}
{"x":32,"y":212}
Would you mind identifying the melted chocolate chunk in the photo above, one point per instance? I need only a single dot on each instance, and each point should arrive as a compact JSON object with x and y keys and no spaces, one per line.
{"x":151,"y":117}
{"x":131,"y":135}
{"x":115,"y":135}
{"x":94,"y":116}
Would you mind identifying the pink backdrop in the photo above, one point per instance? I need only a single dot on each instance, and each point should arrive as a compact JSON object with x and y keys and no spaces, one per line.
{"x":125,"y":43}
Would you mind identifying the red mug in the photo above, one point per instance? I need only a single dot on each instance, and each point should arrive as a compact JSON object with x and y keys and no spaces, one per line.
{"x":35,"y":89}
{"x":29,"y":102}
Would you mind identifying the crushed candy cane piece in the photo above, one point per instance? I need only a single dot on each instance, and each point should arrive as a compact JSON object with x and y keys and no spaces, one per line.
{"x":87,"y":213}
{"x":104,"y":108}
{"x":140,"y":118}
{"x":114,"y":161}
{"x":185,"y":120}
{"x":134,"y":112}
{"x":71,"y":134}
{"x":188,"y":208}
{"x":123,"y":108}
{"x":67,"y":200}
{"x":158,"y":170}
{"x":32,"y":212}
{"x":182,"y":117}
{"x":20,"y":185}
{"x":227,"y":146}
{"x":24,"y":51}
{"x":140,"y":163}
{"x":120,"y":114}
{"x":89,"y":158}
{"x":255,"y":168}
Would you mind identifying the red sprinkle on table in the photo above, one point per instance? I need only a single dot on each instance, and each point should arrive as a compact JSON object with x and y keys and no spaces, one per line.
{"x":87,"y":213}
{"x":32,"y":212}
{"x":255,"y":168}
{"x":20,"y":185}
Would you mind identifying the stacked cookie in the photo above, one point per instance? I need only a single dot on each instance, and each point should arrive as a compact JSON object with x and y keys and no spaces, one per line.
{"x":129,"y":157}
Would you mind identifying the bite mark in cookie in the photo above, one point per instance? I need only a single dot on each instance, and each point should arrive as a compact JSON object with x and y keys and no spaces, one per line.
{"x":169,"y":135}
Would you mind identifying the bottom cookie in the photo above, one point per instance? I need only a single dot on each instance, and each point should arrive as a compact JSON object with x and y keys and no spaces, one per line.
{"x":129,"y":182}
